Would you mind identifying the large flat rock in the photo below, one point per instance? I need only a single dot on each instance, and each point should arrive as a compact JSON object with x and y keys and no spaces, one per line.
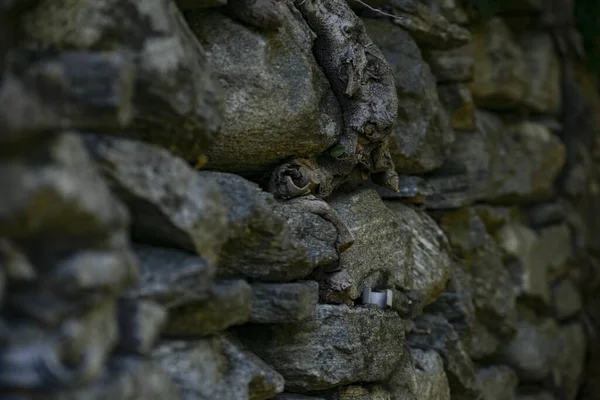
{"x":337,"y":345}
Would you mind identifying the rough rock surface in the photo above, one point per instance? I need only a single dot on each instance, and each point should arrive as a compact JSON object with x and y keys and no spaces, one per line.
{"x":270,"y":240}
{"x":455,"y":65}
{"x":431,"y":379}
{"x":497,"y":383}
{"x":177,"y":101}
{"x":566,"y":300}
{"x":283,"y":302}
{"x":533,"y":350}
{"x":374,"y":226}
{"x":458,"y":101}
{"x":171,"y":277}
{"x":494,"y":295}
{"x":502,"y":75}
{"x":498,"y":163}
{"x":430,"y":267}
{"x":570,"y":360}
{"x":435,"y":333}
{"x":171,"y":204}
{"x":278,"y":102}
{"x":359,"y":344}
{"x":543,"y":92}
{"x":217,"y":368}
{"x":421,"y":134}
{"x":140,"y":323}
{"x":228,"y":304}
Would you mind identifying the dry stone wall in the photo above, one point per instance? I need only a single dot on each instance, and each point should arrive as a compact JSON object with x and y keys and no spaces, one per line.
{"x":196,"y":197}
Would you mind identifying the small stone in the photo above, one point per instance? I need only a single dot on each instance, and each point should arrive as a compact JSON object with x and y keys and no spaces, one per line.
{"x":493,"y":292}
{"x":449,"y":66}
{"x":431,"y":379}
{"x":140,"y":323}
{"x":359,"y":344}
{"x":482,"y":343}
{"x":529,"y":269}
{"x":430,"y":269}
{"x":228,"y":304}
{"x":533,"y":351}
{"x":555,"y":248}
{"x":497,"y":383}
{"x":458,"y":102}
{"x":435,"y":333}
{"x":544,"y":90}
{"x":294,"y":396}
{"x":171,"y":204}
{"x":570,"y":362}
{"x":15,"y":264}
{"x":566,"y":299}
{"x":502,"y":76}
{"x":283,"y":302}
{"x":171,"y":277}
{"x":217,"y":367}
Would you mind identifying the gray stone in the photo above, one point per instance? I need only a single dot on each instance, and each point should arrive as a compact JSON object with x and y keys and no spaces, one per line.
{"x":140,"y":323}
{"x":359,"y":344}
{"x":422,"y":133}
{"x":77,"y":203}
{"x":412,"y":189}
{"x":355,"y":392}
{"x":89,"y":276}
{"x":494,"y":295}
{"x":171,"y":204}
{"x":544,"y":91}
{"x":283,"y":302}
{"x":430,"y":266}
{"x":379,"y":257}
{"x":500,"y":164}
{"x":542,"y":215}
{"x":172,"y":75}
{"x":430,"y":29}
{"x":278,"y":102}
{"x":502,"y":76}
{"x":45,"y":91}
{"x":570,"y":362}
{"x":556,"y":248}
{"x":171,"y":277}
{"x":228,"y":304}
{"x":566,"y":300}
{"x":455,"y":65}
{"x":270,"y":240}
{"x":533,"y":350}
{"x":73,"y":353}
{"x":435,"y":333}
{"x":431,"y":379}
{"x":126,"y":378}
{"x":498,"y":383}
{"x":529,"y":270}
{"x":481,"y":342}
{"x":217,"y":368}
{"x":459,"y":104}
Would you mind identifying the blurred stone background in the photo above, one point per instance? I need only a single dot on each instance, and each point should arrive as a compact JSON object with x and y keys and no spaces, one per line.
{"x":144,"y":255}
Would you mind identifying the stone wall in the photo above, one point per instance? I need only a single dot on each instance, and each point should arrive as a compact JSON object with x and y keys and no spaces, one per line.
{"x":195,"y":195}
